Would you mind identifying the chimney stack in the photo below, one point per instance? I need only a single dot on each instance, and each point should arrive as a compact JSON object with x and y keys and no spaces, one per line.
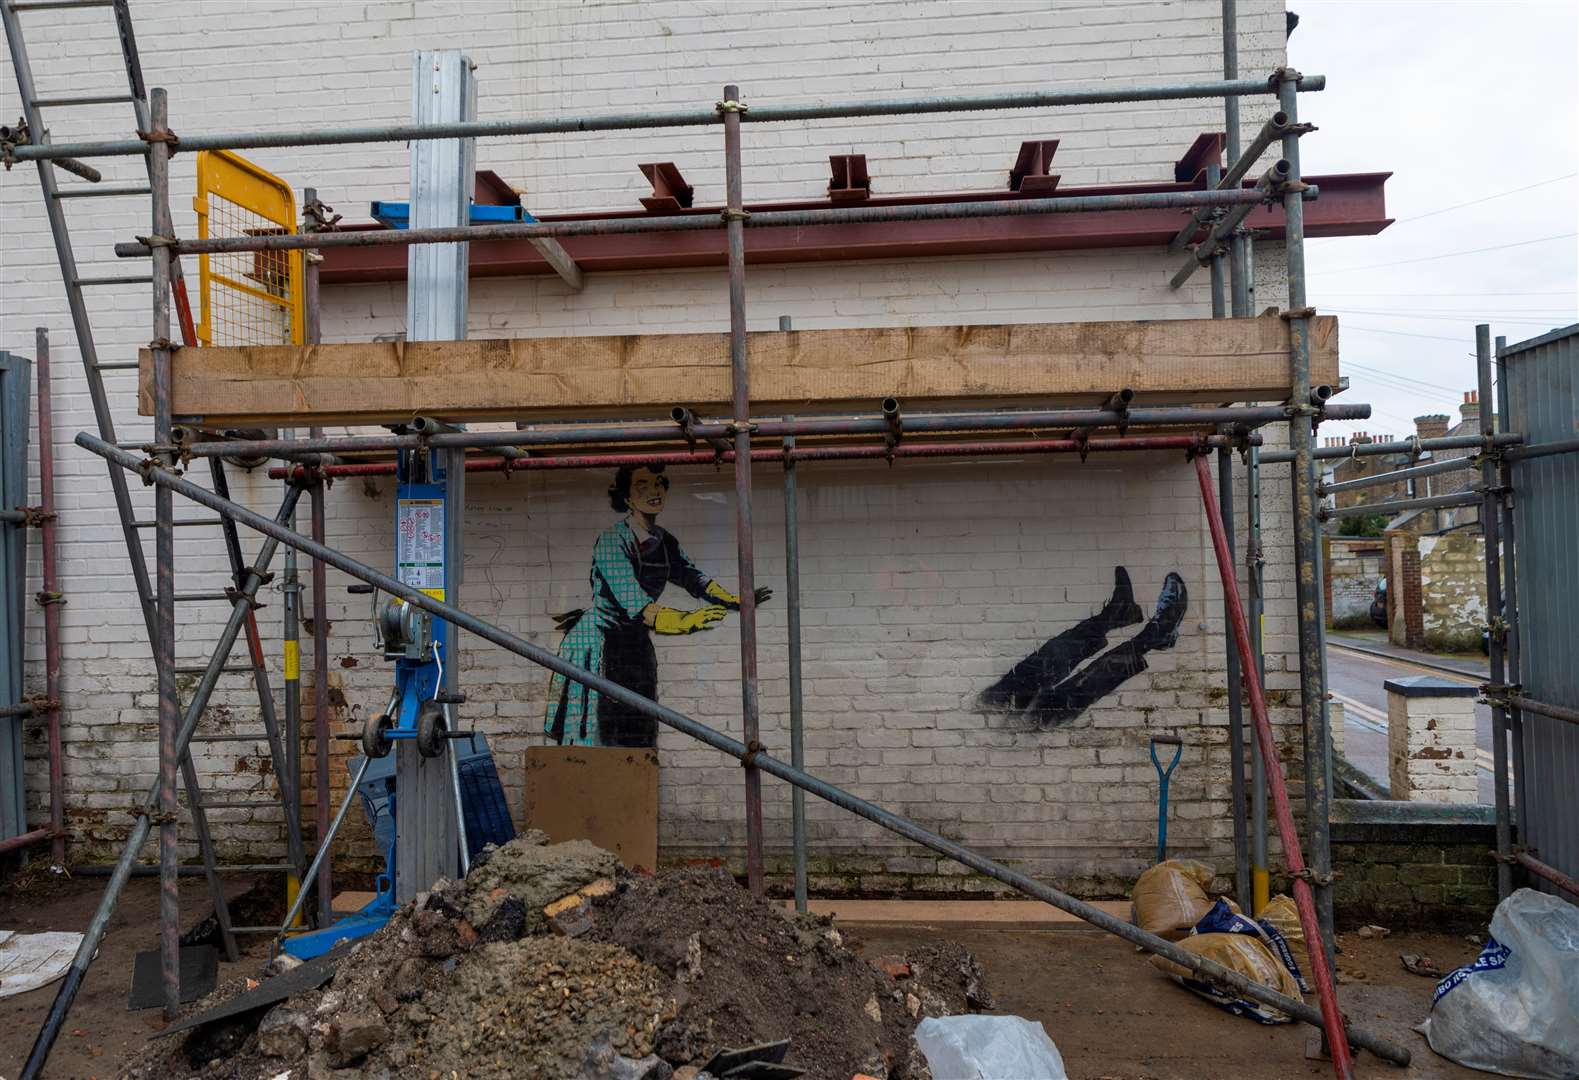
{"x":1433,"y":426}
{"x":1470,"y":409}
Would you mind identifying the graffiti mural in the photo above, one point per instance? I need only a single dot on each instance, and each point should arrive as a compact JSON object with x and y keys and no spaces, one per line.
{"x":1045,"y":688}
{"x":633,"y":562}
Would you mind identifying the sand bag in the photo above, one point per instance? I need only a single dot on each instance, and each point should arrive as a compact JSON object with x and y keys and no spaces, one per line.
{"x":1170,"y":898}
{"x":1280,"y":918}
{"x":1247,"y":954}
{"x":1515,"y":1010}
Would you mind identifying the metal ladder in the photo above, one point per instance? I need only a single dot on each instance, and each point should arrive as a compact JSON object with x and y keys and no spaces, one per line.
{"x":132,"y":528}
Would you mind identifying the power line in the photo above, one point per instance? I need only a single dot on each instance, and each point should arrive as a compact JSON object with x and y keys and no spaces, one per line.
{"x":1454,"y":254}
{"x":1378,"y":292}
{"x":1400,"y":378}
{"x":1404,"y":333}
{"x":1488,"y":198}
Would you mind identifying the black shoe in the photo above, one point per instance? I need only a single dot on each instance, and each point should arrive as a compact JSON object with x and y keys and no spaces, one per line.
{"x":1121,"y":609}
{"x":1162,"y":631}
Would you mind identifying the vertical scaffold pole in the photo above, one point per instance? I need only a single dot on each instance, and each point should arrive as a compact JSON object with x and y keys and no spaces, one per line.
{"x":1307,"y":557}
{"x":1490,"y":520}
{"x":1510,"y":592}
{"x":735,"y":215}
{"x":1260,"y":875}
{"x":1236,"y":715}
{"x":1238,"y":256}
{"x":164,"y":559}
{"x":796,"y":698}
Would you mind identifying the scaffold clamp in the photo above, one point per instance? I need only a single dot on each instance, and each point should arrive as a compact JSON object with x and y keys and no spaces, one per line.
{"x":730,"y":106}
{"x":729,"y":214}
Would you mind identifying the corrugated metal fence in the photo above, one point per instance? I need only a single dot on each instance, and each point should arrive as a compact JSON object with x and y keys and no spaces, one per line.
{"x":14,"y":387}
{"x":1543,"y":402}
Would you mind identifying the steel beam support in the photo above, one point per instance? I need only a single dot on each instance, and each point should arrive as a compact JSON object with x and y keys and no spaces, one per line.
{"x":565,"y":125}
{"x":1244,"y":200}
{"x":1206,"y":969}
{"x":1307,"y":554}
{"x":734,"y":216}
{"x":142,"y":824}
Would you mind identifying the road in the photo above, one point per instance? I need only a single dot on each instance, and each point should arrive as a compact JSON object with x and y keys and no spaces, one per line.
{"x":1356,"y":681}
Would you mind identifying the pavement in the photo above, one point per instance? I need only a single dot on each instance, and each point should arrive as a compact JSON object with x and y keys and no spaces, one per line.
{"x":1357,"y":667}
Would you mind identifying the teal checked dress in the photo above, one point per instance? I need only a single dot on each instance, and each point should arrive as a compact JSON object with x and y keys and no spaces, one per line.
{"x":610,"y":638}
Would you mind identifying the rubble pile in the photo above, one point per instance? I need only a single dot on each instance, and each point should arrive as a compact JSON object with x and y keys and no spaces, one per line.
{"x":549,"y":960}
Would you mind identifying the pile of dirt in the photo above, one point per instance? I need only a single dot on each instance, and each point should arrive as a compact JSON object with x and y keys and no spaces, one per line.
{"x":622,"y":975}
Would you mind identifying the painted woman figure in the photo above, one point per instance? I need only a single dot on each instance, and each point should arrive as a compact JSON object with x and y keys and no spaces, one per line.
{"x":632,"y":563}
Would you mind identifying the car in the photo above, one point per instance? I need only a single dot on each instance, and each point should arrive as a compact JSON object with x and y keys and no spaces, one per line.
{"x":1379,"y":603}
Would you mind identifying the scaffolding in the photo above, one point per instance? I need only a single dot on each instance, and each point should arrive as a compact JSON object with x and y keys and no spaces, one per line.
{"x":1216,"y":238}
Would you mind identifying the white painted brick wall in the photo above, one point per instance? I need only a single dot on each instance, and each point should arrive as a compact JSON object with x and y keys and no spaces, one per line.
{"x":922,"y":582}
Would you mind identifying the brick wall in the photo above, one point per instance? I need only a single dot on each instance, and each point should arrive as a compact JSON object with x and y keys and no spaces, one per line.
{"x":1453,"y":590}
{"x":1405,"y":625}
{"x":922,"y":582}
{"x":1411,"y":876}
{"x":1353,"y":567}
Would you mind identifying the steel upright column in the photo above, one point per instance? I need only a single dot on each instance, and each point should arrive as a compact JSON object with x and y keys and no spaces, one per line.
{"x":1490,"y":513}
{"x":1238,"y":253}
{"x":164,"y":557}
{"x":1307,"y":556}
{"x":735,"y":216}
{"x":1510,"y":594}
{"x":1214,"y":173}
{"x":796,"y":699}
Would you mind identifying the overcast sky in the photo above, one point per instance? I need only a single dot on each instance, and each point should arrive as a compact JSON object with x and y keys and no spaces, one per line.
{"x":1462,"y":102}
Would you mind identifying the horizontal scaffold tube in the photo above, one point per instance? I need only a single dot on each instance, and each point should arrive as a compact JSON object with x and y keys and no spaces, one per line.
{"x":1413,"y":473}
{"x":1208,"y":970}
{"x":699,"y":117}
{"x":761,"y":219}
{"x":1270,"y":132}
{"x":1404,"y":446}
{"x":879,"y":451}
{"x":1393,"y":506}
{"x":1016,"y":420}
{"x":1541,"y":708}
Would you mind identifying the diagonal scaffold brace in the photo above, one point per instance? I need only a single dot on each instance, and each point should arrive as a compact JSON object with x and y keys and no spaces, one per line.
{"x":1208,"y":970}
{"x":1304,"y":899}
{"x":142,"y":826}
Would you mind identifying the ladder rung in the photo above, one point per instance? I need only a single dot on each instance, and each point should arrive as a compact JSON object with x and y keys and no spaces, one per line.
{"x":232,"y":805}
{"x":270,"y":930}
{"x":58,"y":5}
{"x":92,"y":99}
{"x":117,"y":365}
{"x":179,"y":523}
{"x":228,"y":669}
{"x":231,"y":737}
{"x":199,"y":597}
{"x":134,"y":279}
{"x":101,"y":193}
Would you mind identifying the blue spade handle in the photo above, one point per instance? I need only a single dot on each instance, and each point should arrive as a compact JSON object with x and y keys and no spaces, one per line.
{"x":1163,"y":776}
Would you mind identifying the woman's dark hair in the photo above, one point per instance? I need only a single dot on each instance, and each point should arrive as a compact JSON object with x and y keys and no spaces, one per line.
{"x":619,"y":491}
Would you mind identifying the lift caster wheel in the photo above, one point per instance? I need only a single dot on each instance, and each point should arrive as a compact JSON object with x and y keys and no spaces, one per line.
{"x":375,"y":735}
{"x":430,"y":729}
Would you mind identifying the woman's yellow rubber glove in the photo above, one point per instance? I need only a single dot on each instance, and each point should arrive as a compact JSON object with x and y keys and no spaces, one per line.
{"x":730,"y":600}
{"x":669,"y":621}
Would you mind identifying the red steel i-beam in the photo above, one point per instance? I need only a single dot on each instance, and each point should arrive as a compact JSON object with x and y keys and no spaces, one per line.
{"x":1304,"y":899}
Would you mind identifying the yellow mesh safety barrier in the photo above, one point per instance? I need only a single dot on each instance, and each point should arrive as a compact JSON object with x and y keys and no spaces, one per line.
{"x":254,"y":297}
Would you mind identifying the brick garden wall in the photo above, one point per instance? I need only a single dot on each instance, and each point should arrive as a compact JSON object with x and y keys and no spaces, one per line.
{"x":1453,"y":590}
{"x":923,"y":583}
{"x":1426,"y":877}
{"x":1353,"y":567}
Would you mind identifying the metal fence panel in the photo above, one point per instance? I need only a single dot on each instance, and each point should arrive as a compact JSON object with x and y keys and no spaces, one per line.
{"x":1543,"y":400}
{"x":15,"y":381}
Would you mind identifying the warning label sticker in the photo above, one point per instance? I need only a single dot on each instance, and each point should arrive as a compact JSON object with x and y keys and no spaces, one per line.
{"x":419,"y":547}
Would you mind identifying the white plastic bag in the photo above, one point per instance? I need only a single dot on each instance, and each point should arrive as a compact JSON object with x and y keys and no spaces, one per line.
{"x":1515,"y":1010}
{"x":988,"y":1048}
